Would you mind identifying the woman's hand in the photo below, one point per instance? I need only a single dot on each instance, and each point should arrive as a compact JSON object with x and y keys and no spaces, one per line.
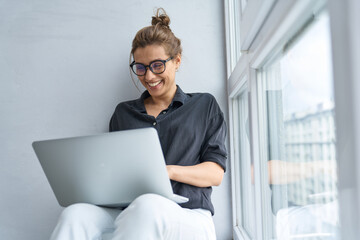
{"x":205,"y":174}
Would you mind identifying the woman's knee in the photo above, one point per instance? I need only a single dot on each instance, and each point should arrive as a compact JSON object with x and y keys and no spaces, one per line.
{"x":77,"y":212}
{"x":148,"y":207}
{"x":148,"y":212}
{"x":152,"y":203}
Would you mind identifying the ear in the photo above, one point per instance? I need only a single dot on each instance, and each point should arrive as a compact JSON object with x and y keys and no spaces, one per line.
{"x":177,"y":61}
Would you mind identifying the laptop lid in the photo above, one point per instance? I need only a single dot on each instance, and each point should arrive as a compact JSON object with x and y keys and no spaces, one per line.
{"x":110,"y":169}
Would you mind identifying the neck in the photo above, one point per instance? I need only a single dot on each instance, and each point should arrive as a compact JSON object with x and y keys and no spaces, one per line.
{"x":164,"y":100}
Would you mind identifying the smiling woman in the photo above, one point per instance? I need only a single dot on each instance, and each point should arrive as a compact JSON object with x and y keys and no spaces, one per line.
{"x":192,"y":133}
{"x":158,"y":34}
{"x":161,"y":86}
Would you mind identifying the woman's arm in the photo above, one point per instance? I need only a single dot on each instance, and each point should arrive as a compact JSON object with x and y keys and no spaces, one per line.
{"x":205,"y":174}
{"x":283,"y":172}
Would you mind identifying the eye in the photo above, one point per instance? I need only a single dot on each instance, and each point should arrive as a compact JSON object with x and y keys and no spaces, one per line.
{"x":157,"y":66}
{"x":139,"y":68}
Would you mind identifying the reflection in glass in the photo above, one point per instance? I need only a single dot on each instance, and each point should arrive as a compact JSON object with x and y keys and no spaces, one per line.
{"x":301,"y":138}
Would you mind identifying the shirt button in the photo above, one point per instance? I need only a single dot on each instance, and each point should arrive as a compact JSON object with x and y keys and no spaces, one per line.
{"x":154,"y":123}
{"x":164,"y":112}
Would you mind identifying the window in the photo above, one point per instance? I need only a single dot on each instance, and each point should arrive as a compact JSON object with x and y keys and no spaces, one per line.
{"x":244,"y":190}
{"x":295,"y":87}
{"x":286,"y":96}
{"x":245,"y":164}
{"x":234,"y":11}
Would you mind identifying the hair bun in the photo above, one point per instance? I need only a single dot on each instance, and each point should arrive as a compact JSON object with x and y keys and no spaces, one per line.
{"x":161,"y":18}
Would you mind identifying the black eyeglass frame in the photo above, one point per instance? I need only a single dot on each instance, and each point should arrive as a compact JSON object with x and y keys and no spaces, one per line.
{"x":149,"y":66}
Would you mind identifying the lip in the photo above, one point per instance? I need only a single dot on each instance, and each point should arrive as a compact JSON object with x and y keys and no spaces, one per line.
{"x":160,"y":83}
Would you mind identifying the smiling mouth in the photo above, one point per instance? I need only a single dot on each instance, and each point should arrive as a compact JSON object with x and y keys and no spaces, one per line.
{"x":154,"y":84}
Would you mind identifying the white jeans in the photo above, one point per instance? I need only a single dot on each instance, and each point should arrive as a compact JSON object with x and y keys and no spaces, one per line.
{"x":149,"y":216}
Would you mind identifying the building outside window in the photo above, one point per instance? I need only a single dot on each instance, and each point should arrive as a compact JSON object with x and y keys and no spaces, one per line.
{"x":295,"y":88}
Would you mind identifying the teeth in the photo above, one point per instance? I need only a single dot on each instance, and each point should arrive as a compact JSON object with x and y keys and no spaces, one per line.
{"x":154,"y":84}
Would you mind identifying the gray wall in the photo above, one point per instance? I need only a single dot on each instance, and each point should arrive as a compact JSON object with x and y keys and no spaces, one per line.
{"x":64,"y":68}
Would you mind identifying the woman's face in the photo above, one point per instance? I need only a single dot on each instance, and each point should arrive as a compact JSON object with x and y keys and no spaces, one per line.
{"x":159,"y":85}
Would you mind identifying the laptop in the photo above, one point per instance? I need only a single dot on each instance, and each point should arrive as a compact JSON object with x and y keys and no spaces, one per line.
{"x":110,"y":169}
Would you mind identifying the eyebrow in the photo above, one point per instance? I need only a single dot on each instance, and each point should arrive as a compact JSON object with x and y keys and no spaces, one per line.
{"x":149,"y":62}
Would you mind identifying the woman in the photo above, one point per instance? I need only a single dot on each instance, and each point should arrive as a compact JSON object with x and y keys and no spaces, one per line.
{"x":192,"y":131}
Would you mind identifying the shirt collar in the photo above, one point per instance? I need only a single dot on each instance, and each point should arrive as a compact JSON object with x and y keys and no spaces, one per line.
{"x":180,"y":97}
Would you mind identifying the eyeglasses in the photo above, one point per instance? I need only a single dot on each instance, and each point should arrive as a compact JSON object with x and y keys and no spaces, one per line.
{"x":156,"y":66}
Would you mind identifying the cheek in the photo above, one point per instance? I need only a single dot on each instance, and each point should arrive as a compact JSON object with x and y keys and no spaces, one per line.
{"x":170,"y":76}
{"x":171,"y":73}
{"x":141,"y":79}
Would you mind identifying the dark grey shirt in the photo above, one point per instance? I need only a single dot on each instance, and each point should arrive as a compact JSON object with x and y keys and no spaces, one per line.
{"x":192,"y":130}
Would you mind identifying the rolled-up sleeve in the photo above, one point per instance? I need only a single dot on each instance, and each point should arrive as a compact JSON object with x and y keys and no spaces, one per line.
{"x":214,"y":149}
{"x":113,"y":125}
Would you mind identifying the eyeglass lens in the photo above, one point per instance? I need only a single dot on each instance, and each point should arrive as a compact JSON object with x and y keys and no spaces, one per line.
{"x":156,"y":67}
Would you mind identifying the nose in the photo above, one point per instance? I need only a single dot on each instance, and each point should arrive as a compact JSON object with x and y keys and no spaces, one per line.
{"x":149,"y":74}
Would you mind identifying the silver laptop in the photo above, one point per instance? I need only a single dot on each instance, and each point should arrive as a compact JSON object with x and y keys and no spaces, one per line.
{"x":110,"y":169}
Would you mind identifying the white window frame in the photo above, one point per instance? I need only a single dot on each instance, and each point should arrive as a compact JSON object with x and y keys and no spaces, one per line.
{"x":237,"y":86}
{"x":239,"y":231}
{"x":345,"y":36}
{"x":252,"y":19}
{"x":271,"y":26}
{"x":232,"y":29}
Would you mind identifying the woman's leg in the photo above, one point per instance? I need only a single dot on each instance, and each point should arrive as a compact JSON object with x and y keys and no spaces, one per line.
{"x":84,"y":221}
{"x":151,"y":216}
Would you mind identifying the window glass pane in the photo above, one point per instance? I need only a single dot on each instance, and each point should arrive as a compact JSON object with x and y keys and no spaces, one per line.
{"x":245,"y":168}
{"x":243,"y":5}
{"x":298,"y":95}
{"x":237,"y":19}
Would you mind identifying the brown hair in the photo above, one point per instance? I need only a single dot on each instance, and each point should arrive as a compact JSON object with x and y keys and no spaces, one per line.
{"x":159,"y":33}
